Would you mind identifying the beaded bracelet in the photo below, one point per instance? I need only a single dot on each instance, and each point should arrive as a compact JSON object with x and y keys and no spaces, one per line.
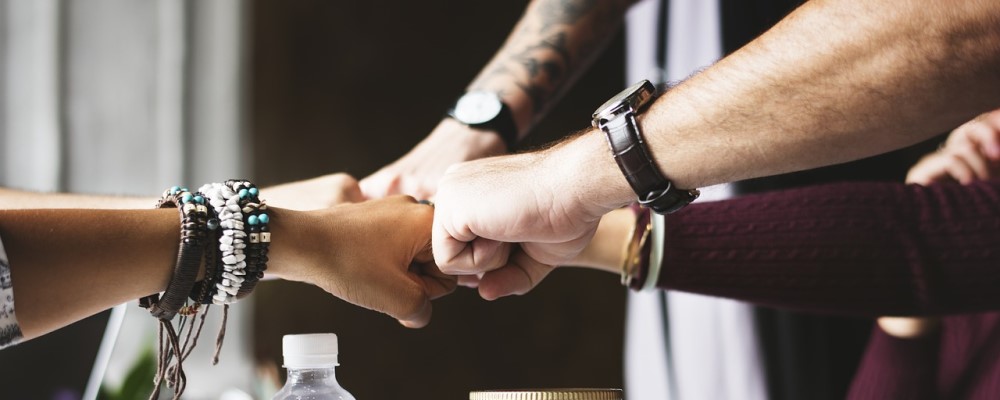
{"x":234,"y":213}
{"x":259,"y":237}
{"x":225,"y":201}
{"x":244,"y":240}
{"x":194,"y":215}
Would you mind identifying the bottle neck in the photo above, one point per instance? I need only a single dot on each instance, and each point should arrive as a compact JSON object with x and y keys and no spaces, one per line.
{"x":325,"y":376}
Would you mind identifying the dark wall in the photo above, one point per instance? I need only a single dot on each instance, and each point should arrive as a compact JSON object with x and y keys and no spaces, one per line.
{"x":351,"y":86}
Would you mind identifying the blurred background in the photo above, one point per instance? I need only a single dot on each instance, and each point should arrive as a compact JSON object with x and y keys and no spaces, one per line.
{"x":128,"y":97}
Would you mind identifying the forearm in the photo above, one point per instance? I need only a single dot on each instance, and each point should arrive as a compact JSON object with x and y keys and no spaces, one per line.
{"x":552,"y":44}
{"x":11,"y":199}
{"x":68,"y":264}
{"x":835,"y":81}
{"x":862,"y":249}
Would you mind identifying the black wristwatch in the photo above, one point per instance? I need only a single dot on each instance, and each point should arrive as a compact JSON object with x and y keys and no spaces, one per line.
{"x":484,"y":110}
{"x":616,"y":118}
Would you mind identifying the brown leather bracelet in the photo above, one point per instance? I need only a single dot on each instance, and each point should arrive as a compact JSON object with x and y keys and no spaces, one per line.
{"x":193,"y":214}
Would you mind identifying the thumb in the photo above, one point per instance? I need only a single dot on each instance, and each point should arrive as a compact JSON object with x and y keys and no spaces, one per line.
{"x":353,"y":194}
{"x":419,"y":317}
{"x":518,"y":277}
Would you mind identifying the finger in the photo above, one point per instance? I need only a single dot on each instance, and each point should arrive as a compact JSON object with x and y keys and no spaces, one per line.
{"x":958,"y":169}
{"x":351,"y":190}
{"x":461,"y":252}
{"x":477,"y":256}
{"x":449,"y":250}
{"x":436,"y":283}
{"x":425,"y":255}
{"x":987,"y":137}
{"x":371,"y":186}
{"x":975,"y":160}
{"x":518,"y":277}
{"x":418,"y":317}
{"x":929,"y":169}
{"x":488,"y":255}
{"x":379,"y":185}
{"x":906,"y":327}
{"x":416,"y":188}
{"x":469,"y":281}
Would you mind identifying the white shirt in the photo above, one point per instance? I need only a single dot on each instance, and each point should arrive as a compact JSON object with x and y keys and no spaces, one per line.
{"x":713,"y":348}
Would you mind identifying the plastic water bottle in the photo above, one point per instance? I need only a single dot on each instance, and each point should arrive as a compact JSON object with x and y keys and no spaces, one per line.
{"x":310,"y":360}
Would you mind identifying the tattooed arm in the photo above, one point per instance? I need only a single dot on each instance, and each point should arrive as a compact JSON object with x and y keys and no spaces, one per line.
{"x":552,"y":44}
{"x":550,"y":47}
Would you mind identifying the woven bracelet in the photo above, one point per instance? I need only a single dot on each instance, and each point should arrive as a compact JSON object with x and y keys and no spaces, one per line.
{"x":193,"y":215}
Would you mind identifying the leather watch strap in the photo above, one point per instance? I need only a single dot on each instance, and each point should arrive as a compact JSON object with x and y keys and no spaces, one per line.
{"x":630,"y":152}
{"x":504,"y":126}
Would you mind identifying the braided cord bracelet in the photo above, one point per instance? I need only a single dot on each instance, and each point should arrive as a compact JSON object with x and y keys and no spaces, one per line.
{"x":194,"y":216}
{"x":236,"y":219}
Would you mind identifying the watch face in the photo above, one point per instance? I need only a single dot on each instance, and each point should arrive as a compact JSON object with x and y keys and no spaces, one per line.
{"x":477,"y":107}
{"x":634,"y":97}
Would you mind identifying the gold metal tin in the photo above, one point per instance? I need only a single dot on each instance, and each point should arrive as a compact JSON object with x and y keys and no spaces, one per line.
{"x":548,"y":394}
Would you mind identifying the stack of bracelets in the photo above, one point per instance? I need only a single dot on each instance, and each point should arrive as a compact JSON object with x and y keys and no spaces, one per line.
{"x":232,"y":215}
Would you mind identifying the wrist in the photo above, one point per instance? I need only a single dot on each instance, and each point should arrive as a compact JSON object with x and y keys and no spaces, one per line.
{"x":607,"y":250}
{"x":586,"y":166}
{"x":477,"y":143}
{"x":291,"y":239}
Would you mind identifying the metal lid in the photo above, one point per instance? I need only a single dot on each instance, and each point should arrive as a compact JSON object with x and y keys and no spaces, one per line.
{"x":548,"y":394}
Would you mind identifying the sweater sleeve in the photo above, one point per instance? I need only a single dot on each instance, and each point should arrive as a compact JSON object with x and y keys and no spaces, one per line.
{"x":897,"y":368}
{"x":10,"y":331}
{"x":862,"y":249}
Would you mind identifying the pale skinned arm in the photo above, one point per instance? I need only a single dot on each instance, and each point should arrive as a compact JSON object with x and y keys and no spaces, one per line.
{"x":308,"y":194}
{"x":972,"y":152}
{"x":550,"y":47}
{"x":68,"y":264}
{"x":835,"y":81}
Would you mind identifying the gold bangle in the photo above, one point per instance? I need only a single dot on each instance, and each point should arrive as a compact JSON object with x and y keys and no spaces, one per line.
{"x":627,"y":257}
{"x":632,"y":256}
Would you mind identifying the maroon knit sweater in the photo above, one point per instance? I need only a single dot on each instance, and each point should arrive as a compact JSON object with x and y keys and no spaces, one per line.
{"x":865,"y":249}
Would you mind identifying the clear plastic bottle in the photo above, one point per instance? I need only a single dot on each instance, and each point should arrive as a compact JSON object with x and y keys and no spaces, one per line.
{"x":310,"y":360}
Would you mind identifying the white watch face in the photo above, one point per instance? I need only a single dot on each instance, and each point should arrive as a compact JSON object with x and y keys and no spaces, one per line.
{"x":477,"y":107}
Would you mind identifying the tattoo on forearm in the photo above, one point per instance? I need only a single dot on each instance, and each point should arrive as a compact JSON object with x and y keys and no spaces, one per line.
{"x":569,"y":11}
{"x":554,"y":39}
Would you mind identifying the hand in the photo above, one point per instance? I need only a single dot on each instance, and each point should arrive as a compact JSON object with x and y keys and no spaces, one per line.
{"x":605,"y":252}
{"x":374,"y":254}
{"x":543,"y":201}
{"x":316,"y":193}
{"x":417,"y":173}
{"x":972,"y":152}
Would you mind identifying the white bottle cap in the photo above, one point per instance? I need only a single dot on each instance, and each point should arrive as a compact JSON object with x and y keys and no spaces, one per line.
{"x":315,"y":350}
